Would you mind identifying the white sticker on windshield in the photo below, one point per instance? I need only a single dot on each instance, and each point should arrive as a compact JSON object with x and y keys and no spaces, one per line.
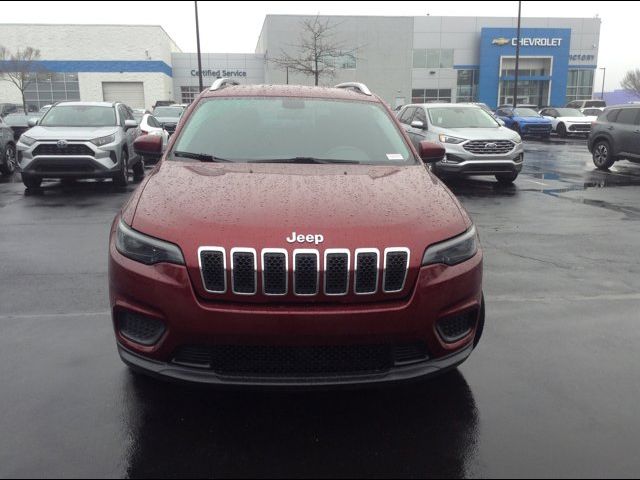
{"x":394,"y":156}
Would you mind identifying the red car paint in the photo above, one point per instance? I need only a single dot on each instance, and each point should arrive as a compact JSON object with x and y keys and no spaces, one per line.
{"x":192,"y":204}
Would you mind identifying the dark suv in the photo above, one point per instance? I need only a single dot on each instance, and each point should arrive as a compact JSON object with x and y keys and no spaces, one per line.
{"x":616,"y":136}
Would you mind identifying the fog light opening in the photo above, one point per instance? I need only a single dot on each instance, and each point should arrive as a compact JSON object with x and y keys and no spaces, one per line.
{"x":456,"y":327}
{"x":140,"y":328}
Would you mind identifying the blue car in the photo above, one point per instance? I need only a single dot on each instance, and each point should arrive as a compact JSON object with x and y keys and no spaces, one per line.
{"x":525,"y":121}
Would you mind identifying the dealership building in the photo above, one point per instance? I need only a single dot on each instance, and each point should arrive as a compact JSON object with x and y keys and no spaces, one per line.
{"x":403,"y":59}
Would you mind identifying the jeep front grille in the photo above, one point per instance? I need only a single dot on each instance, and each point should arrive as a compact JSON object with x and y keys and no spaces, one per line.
{"x":489,"y":147}
{"x":310,"y":271}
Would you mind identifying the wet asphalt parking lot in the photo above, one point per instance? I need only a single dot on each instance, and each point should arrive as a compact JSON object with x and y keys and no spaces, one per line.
{"x":553,"y":389}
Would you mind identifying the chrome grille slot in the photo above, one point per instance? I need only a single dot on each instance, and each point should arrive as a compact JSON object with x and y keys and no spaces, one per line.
{"x":243,"y":271}
{"x":336,"y":272}
{"x":396,"y":261}
{"x":366,"y":268}
{"x":213,"y":266}
{"x":489,"y":147}
{"x":274,"y":271}
{"x":305,"y":272}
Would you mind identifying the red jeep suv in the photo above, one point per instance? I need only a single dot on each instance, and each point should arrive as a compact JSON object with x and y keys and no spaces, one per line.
{"x":293,"y":236}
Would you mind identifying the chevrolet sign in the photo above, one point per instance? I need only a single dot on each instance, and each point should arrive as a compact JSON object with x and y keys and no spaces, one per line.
{"x":528,"y":42}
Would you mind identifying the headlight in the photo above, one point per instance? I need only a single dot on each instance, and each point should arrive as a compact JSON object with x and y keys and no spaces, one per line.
{"x":517,"y":139}
{"x":98,"y":142}
{"x":28,"y":141}
{"x":453,"y":251}
{"x":449,"y":139}
{"x":145,"y":249}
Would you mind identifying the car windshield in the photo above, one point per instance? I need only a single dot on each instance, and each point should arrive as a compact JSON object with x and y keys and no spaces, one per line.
{"x":79,"y":116}
{"x":174,"y":112}
{"x":461,"y":117}
{"x":290,"y":129}
{"x":525,"y":112}
{"x":595,"y":103}
{"x":16,"y":119}
{"x":569,"y":112}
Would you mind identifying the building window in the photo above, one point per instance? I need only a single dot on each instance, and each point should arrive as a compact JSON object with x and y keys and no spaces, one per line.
{"x":534,"y":92}
{"x":579,"y":85}
{"x":524,"y":72}
{"x":49,"y":87}
{"x":189,"y":93}
{"x":431,"y":95}
{"x":432,"y":58}
{"x":344,"y":61}
{"x":467,"y":89}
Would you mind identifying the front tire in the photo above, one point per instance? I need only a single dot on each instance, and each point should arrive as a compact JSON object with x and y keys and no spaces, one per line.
{"x":10,"y":160}
{"x":506,"y":178}
{"x":562,"y":130}
{"x":31,"y":182}
{"x":602,"y":157}
{"x":121,"y":179}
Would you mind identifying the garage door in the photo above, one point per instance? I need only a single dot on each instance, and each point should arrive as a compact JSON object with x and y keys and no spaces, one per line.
{"x":129,"y":93}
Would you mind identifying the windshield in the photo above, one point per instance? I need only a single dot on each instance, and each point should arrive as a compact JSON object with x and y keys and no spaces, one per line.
{"x":168,"y":112}
{"x":278,"y":129}
{"x":569,"y":112}
{"x":461,"y":117}
{"x":79,"y":116}
{"x":595,"y":103}
{"x":16,"y":119}
{"x":525,"y":112}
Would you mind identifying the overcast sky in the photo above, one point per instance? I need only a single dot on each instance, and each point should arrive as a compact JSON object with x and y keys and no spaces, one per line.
{"x":233,"y":27}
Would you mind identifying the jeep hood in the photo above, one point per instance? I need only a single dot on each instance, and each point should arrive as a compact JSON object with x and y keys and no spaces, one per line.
{"x":70,"y":133}
{"x":260,"y":205}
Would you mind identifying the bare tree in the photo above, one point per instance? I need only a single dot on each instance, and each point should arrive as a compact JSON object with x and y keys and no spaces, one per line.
{"x":317,"y":51}
{"x":631,"y":82}
{"x":20,"y":68}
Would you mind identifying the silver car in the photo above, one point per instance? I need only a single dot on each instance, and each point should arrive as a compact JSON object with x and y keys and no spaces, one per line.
{"x":475,"y":142}
{"x":81,"y":140}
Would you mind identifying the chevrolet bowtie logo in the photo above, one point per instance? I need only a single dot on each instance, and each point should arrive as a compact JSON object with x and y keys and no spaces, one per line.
{"x":500,"y":41}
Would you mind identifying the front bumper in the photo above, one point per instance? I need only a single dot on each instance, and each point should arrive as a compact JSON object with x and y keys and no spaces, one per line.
{"x":536,"y":129}
{"x":94,"y":162}
{"x":579,"y":128}
{"x":461,"y":162}
{"x":164,"y":292}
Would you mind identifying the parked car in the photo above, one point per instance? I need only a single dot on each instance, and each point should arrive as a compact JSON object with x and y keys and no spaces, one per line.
{"x":532,"y":106}
{"x":138,"y":113}
{"x":19,"y":122}
{"x":592,"y":111}
{"x":321,"y":252}
{"x":7,"y":149}
{"x":475,"y":143}
{"x":44,"y":110}
{"x":81,"y":140}
{"x":566,"y":121}
{"x":149,"y":125}
{"x":163,"y":103}
{"x":7,"y":108}
{"x":615,"y":135}
{"x":525,"y":121}
{"x":580,"y":104}
{"x":168,"y":116}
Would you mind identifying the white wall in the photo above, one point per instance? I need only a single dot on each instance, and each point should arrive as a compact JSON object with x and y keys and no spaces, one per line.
{"x":157,"y":86}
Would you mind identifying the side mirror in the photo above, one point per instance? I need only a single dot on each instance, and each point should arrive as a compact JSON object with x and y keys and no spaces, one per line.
{"x":431,"y":152}
{"x":129,"y":124}
{"x":32,"y":122}
{"x":418,"y":124}
{"x":148,"y":145}
{"x":501,"y":122}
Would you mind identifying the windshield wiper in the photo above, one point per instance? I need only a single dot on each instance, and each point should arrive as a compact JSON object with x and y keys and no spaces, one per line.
{"x":309,"y":160}
{"x":203,"y":157}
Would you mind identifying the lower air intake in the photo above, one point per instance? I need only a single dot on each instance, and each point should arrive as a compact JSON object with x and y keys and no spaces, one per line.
{"x":456,"y":327}
{"x":139,"y":328}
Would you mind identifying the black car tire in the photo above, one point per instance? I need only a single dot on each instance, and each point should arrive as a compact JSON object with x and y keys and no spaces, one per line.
{"x":602,"y":157}
{"x":31,"y":181}
{"x":506,"y":178}
{"x":138,"y":170}
{"x":121,"y":179}
{"x":9,"y":159}
{"x":561,"y":130}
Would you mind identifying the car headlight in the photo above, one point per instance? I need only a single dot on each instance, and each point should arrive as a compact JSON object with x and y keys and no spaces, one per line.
{"x":28,"y":141}
{"x":98,"y":142}
{"x":517,"y":139}
{"x":145,"y":249}
{"x":453,"y":251}
{"x":449,"y":139}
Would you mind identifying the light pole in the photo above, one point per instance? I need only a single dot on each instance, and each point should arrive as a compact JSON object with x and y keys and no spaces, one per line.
{"x":198,"y":43}
{"x":515,"y":86}
{"x":604,"y":73}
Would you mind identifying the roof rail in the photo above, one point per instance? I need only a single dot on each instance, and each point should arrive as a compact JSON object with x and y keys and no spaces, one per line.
{"x":220,"y":83}
{"x":358,"y":87}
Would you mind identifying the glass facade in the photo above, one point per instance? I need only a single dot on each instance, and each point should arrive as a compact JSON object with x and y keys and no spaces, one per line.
{"x":529,"y":91}
{"x":580,"y":84}
{"x":431,"y":95}
{"x":432,"y":58}
{"x":189,"y":93}
{"x":47,"y":88}
{"x":467,"y":87}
